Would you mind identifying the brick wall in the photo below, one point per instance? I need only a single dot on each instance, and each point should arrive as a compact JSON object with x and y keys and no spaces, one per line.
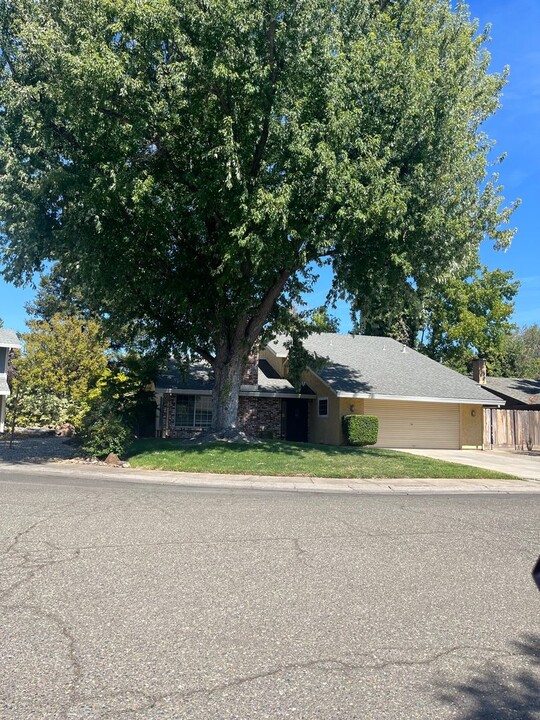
{"x":260,"y":416}
{"x":256,"y":417}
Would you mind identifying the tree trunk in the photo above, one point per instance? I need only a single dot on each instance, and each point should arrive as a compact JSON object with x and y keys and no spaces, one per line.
{"x":232,"y":354}
{"x":228,"y":374}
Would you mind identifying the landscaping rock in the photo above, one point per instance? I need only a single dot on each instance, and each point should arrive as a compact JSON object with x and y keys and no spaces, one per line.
{"x":113,"y":459}
{"x":66,"y":430}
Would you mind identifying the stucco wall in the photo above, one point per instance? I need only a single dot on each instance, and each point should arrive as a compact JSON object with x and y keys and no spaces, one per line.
{"x":277,"y":363}
{"x":325,"y":430}
{"x":471,"y":426}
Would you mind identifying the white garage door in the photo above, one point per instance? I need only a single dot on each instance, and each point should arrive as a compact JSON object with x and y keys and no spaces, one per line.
{"x":415,"y":424}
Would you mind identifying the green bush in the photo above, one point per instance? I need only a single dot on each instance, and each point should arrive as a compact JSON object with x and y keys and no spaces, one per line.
{"x":103,"y":435}
{"x":360,"y":429}
{"x":37,"y":406}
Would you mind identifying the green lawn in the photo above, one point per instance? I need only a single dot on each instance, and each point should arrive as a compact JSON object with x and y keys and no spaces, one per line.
{"x":300,"y":459}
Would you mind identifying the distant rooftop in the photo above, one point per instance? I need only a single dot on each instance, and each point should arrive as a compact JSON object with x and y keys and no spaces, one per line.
{"x":524,"y":390}
{"x":9,"y":338}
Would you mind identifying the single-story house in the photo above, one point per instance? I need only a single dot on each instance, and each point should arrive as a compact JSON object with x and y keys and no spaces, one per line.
{"x":269,"y":406}
{"x":8,"y":341}
{"x":420,"y":403}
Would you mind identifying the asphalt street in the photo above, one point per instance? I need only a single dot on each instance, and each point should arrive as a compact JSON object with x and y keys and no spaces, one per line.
{"x":136,"y":601}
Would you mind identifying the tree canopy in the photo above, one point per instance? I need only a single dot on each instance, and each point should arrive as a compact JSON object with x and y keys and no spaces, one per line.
{"x":522,"y":353}
{"x":187,"y":163}
{"x":470,"y":317}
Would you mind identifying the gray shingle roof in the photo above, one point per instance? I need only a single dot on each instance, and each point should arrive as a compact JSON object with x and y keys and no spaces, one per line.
{"x":199,"y":378}
{"x":521,"y":389}
{"x":9,"y":338}
{"x":378,"y":366}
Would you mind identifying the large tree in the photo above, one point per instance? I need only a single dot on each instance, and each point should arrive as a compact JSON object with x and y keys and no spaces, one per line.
{"x":187,"y":163}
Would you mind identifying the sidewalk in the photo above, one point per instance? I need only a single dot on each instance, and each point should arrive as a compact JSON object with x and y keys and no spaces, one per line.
{"x":264,"y":482}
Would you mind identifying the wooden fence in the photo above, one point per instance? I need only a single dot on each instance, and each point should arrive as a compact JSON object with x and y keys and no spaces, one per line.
{"x":519,"y":429}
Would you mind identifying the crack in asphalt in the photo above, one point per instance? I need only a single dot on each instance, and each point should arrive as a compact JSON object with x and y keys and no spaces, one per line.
{"x":301,"y":553}
{"x":150,"y":700}
{"x":30,"y":564}
{"x":249,"y":540}
{"x":74,"y":662}
{"x":478,"y":532}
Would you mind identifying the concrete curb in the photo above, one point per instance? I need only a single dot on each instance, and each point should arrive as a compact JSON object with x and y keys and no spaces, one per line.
{"x":371,"y":486}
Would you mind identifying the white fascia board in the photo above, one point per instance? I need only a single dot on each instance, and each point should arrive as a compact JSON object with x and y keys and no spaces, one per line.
{"x":410,"y":398}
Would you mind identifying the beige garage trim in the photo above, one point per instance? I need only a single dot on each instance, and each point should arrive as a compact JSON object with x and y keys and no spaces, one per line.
{"x":415,"y":424}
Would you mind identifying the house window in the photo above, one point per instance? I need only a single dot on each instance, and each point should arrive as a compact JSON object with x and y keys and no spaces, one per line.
{"x":323,"y":407}
{"x":193,"y":411}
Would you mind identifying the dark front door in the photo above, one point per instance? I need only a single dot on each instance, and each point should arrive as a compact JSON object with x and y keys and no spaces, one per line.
{"x":296,"y":420}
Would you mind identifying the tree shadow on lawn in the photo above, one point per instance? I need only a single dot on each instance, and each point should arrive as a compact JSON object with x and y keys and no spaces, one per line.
{"x":494,"y":695}
{"x":274,"y":447}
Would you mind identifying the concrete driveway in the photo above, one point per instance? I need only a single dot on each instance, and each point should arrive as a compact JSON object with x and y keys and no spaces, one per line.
{"x":523,"y":465}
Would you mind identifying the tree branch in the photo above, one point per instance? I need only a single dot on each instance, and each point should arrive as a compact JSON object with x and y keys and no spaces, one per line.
{"x":255,"y":324}
{"x":222,"y":100}
{"x":204,"y":354}
{"x":265,"y":130}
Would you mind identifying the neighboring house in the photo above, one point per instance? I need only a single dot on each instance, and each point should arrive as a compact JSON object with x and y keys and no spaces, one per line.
{"x":517,"y":425}
{"x":519,"y":393}
{"x":8,"y":341}
{"x":419,"y":402}
{"x":269,"y":405}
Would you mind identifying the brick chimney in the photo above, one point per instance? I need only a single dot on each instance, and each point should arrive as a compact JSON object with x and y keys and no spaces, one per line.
{"x":479,"y":372}
{"x":251,"y":371}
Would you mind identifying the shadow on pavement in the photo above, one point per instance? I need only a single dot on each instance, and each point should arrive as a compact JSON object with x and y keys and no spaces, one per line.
{"x":502,"y":696}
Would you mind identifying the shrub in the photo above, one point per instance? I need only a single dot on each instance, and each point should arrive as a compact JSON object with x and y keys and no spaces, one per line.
{"x":360,"y":429}
{"x":104,"y":434}
{"x":37,"y":406}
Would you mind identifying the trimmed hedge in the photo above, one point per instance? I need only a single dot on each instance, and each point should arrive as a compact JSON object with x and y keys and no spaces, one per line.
{"x":360,"y":429}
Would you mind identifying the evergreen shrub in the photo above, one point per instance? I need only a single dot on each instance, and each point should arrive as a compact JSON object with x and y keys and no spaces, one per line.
{"x":360,"y":429}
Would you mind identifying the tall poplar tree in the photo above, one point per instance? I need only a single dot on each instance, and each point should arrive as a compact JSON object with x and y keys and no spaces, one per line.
{"x":187,"y":163}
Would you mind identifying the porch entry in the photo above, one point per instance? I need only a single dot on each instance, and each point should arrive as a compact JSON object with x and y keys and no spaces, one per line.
{"x":295,"y":419}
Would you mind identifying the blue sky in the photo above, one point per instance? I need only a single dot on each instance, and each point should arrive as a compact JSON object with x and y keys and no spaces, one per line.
{"x":516,"y":128}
